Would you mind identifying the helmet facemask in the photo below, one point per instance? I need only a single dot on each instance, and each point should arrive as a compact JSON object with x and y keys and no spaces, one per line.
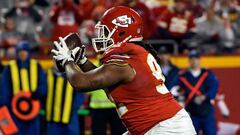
{"x":103,"y":40}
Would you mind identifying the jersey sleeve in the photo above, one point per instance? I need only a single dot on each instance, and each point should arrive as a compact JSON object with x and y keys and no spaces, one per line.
{"x":191,"y":24}
{"x":118,"y":55}
{"x":117,"y":59}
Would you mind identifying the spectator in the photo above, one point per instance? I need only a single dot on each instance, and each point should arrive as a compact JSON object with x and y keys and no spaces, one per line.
{"x":10,"y":37}
{"x":2,"y":51}
{"x":5,"y":5}
{"x":195,"y":7}
{"x":87,"y":32}
{"x":236,"y":27}
{"x":26,"y":16}
{"x":199,"y":86}
{"x":42,"y":3}
{"x":228,"y":45}
{"x":65,"y":18}
{"x":1,"y":69}
{"x":227,"y":8}
{"x":149,"y":23}
{"x":24,"y":9}
{"x":62,"y":105}
{"x":206,"y":3}
{"x":86,"y":7}
{"x":211,"y":33}
{"x":176,"y":23}
{"x":97,"y":12}
{"x":23,"y":74}
{"x":169,"y":70}
{"x":158,"y":7}
{"x":151,"y":4}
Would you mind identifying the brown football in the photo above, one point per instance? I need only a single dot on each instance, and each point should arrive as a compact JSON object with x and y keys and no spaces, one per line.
{"x":72,"y":40}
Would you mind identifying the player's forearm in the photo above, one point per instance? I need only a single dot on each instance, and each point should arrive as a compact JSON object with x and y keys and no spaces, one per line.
{"x":79,"y":79}
{"x":74,"y":75}
{"x":87,"y":66}
{"x":102,"y":77}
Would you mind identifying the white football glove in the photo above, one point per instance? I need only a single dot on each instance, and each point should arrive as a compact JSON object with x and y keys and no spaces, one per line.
{"x":62,"y":53}
{"x":81,"y":58}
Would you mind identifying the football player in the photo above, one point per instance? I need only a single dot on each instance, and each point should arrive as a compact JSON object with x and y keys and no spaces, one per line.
{"x":130,"y":73}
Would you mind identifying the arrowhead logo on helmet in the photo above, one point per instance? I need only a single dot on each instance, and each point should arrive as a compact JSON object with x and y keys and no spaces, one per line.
{"x":122,"y":21}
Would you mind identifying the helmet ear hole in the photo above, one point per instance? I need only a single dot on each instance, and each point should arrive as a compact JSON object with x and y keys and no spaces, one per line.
{"x":121,"y":33}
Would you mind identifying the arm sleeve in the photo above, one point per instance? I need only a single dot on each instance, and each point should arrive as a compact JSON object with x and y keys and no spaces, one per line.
{"x":5,"y":87}
{"x":117,"y":59}
{"x":192,"y":25}
{"x":163,"y":20}
{"x":213,"y":84}
{"x":192,"y":28}
{"x":163,"y":24}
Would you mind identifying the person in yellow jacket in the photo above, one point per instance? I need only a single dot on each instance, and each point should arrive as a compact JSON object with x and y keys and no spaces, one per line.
{"x":23,"y":74}
{"x":62,"y":105}
{"x":104,"y":113}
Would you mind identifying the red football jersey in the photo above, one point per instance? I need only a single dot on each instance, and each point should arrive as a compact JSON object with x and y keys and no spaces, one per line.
{"x":144,"y":101}
{"x":176,"y":23}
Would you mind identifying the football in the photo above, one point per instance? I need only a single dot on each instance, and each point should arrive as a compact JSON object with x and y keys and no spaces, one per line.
{"x":72,"y":40}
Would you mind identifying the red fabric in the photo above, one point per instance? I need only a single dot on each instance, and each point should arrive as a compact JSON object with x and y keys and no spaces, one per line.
{"x":159,"y":10}
{"x":149,"y":23}
{"x":144,"y":104}
{"x":7,"y":125}
{"x":178,"y":24}
{"x":65,"y":19}
{"x":228,"y":79}
{"x":86,"y":7}
{"x":238,"y":132}
{"x":196,"y":9}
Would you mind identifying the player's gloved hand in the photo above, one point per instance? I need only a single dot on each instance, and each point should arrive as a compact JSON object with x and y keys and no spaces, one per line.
{"x":80,"y":57}
{"x":62,"y":52}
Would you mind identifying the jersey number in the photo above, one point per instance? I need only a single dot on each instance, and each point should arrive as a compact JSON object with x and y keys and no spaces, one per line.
{"x":157,"y":73}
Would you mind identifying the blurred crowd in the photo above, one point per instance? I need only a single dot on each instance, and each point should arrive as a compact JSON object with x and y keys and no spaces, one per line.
{"x":172,"y":26}
{"x":212,"y":26}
